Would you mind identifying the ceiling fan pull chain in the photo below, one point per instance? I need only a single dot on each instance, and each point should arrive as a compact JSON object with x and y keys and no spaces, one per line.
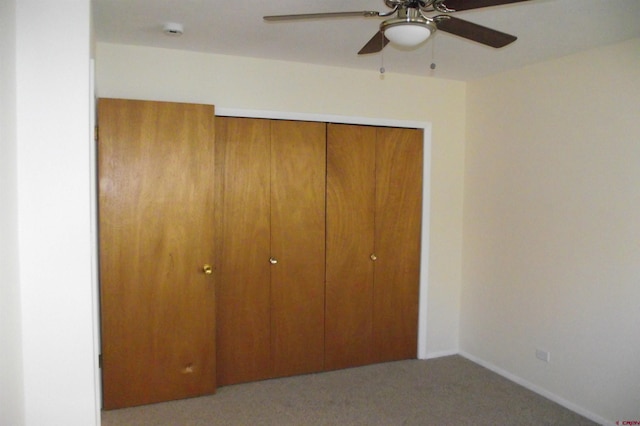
{"x":382,"y":70}
{"x":433,"y":54}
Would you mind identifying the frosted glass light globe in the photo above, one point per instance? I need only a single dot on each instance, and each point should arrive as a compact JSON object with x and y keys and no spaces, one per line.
{"x":407,"y":34}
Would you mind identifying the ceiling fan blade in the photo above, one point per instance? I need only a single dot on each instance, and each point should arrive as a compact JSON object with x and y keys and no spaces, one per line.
{"x":365,"y":13}
{"x":472,"y":31}
{"x":457,"y":5}
{"x":375,"y":45}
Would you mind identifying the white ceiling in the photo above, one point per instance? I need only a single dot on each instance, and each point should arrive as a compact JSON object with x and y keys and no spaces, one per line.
{"x":545,"y":28}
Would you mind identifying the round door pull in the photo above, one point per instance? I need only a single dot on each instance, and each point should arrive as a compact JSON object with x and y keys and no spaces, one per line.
{"x":273,"y":260}
{"x":373,"y":257}
{"x":207,"y":269}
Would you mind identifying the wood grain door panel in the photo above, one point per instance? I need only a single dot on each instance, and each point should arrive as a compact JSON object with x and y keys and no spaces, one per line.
{"x":156,"y":233}
{"x":350,"y":243}
{"x":399,"y":154}
{"x":298,"y":169}
{"x":244,"y":307}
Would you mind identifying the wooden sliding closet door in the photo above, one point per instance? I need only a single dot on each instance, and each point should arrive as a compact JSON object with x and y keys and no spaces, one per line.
{"x":398,"y":226}
{"x":351,"y":175}
{"x":243,"y":285}
{"x":298,"y":167}
{"x":156,"y":236}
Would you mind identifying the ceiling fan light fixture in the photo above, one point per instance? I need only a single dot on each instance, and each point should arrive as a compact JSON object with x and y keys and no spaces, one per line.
{"x":407,"y":32}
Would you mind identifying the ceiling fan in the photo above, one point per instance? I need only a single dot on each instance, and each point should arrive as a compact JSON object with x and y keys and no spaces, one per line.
{"x":411,"y":26}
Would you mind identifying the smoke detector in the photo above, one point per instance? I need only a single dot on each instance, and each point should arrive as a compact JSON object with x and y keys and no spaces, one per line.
{"x":173,"y":29}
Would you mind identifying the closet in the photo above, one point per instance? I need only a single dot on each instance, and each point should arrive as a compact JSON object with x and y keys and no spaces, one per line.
{"x":270,"y":291}
{"x":240,"y":249}
{"x":374,"y":209}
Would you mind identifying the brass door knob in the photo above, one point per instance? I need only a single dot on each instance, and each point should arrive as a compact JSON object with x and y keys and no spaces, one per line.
{"x":373,"y":257}
{"x":207,"y":269}
{"x":273,"y":260}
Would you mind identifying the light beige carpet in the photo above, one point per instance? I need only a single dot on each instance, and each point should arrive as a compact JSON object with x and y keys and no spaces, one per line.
{"x":443,"y":391}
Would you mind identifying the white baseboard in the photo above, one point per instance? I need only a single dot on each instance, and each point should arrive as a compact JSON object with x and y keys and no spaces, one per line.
{"x":440,"y":354}
{"x":537,"y":389}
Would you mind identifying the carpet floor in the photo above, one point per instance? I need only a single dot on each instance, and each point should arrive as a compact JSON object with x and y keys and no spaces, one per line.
{"x":444,"y":391}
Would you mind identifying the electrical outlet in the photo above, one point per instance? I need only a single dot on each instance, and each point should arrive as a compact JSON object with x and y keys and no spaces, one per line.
{"x":543,"y":355}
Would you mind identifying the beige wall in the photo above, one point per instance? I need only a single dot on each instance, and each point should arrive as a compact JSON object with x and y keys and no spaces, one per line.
{"x":253,"y":84}
{"x":551,"y":254}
